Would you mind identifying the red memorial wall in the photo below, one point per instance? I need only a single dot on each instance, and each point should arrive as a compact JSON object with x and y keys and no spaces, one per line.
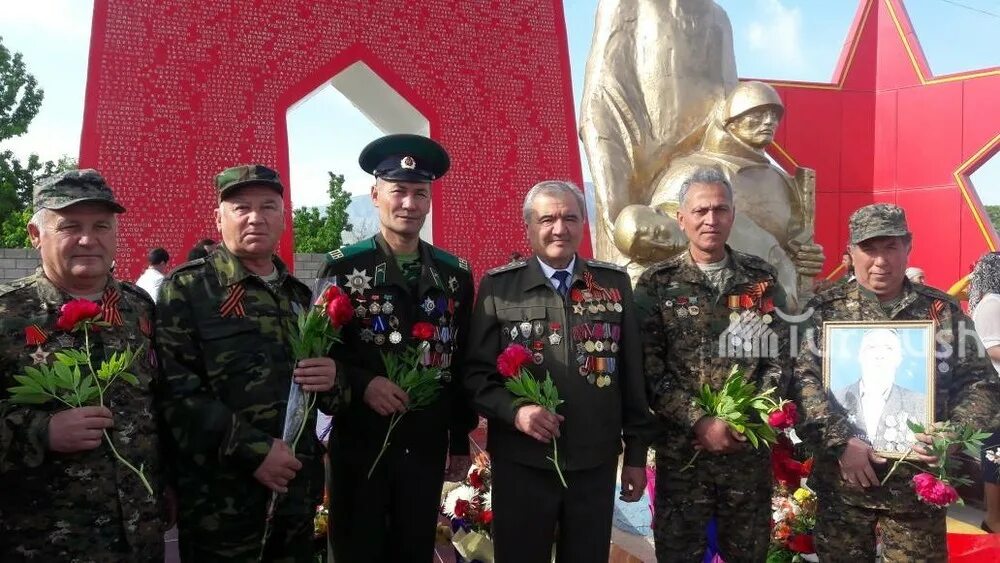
{"x":179,"y":90}
{"x":888,"y":130}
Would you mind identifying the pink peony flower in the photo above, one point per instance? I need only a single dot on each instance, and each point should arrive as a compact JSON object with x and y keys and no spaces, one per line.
{"x":511,"y":359}
{"x":933,"y":491}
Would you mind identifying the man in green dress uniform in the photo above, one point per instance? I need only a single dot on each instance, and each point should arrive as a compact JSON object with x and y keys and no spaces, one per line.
{"x":396,"y":280}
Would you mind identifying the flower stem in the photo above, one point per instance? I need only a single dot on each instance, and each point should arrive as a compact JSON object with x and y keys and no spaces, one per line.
{"x":690,"y":462}
{"x":555,"y":461}
{"x":393,"y":421}
{"x":895,"y":466}
{"x":100,"y":399}
{"x":309,"y":407}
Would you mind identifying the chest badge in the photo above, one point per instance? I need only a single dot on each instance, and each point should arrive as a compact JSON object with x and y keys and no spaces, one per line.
{"x":359,"y":281}
{"x":453,"y":284}
{"x":39,"y":356}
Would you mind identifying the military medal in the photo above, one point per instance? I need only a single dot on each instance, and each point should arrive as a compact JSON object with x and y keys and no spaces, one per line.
{"x":734,"y":317}
{"x":39,"y":356}
{"x":668,"y":303}
{"x":380,"y":339}
{"x":359,"y":280}
{"x":453,"y":284}
{"x":360,"y":311}
{"x":513,"y":333}
{"x":395,"y":337}
{"x":767,"y":318}
{"x":693,"y":310}
{"x":388,"y":308}
{"x":367,"y":335}
{"x":428,"y":305}
{"x":618,"y":307}
{"x":537,"y":358}
{"x":555,"y":339}
{"x":375,"y":308}
{"x":578,"y":308}
{"x":538,"y":328}
{"x":682,"y":312}
{"x":525,"y":329}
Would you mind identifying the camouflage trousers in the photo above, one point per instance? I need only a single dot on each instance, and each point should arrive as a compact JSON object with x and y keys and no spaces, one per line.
{"x":848,"y":533}
{"x":734,"y":489}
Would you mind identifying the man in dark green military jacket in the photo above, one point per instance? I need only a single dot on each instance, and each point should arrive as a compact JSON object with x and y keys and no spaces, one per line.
{"x":395,"y":280}
{"x":63,"y":494}
{"x":704,"y":311}
{"x":847,"y":472}
{"x":578,"y":318}
{"x":223,"y":327}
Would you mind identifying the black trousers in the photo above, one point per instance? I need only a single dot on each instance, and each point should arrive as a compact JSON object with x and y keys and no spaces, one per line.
{"x":531,"y":509}
{"x":392,"y":517}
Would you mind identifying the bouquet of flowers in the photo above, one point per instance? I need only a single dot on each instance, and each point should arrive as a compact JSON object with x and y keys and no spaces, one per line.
{"x":72,"y":379}
{"x":756,"y":415}
{"x":793,"y":518}
{"x":527,"y":390}
{"x":469,"y":509}
{"x":409,"y":371}
{"x":937,"y":486}
{"x":318,"y":328}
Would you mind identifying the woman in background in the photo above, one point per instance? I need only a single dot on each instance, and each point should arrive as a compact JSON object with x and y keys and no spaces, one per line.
{"x":984,"y":303}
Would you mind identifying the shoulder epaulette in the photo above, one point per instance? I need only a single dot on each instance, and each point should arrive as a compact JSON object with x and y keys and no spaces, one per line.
{"x":601,"y":264}
{"x":132,"y":289}
{"x":935,"y":293}
{"x":187,"y":266}
{"x":350,"y":250}
{"x":754,"y":262}
{"x":450,"y":259}
{"x":514,"y":265}
{"x":17,"y":284}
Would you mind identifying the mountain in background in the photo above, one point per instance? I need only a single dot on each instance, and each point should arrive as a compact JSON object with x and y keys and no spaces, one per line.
{"x":365,"y":219}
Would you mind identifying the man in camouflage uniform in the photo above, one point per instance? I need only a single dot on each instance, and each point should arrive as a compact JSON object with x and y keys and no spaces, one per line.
{"x":223,"y":329}
{"x":65,"y":496}
{"x":395,"y":280}
{"x":847,"y":471}
{"x":577,"y":318}
{"x":704,"y":311}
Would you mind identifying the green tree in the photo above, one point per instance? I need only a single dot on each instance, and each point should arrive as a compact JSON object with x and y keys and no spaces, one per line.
{"x":20,"y":100}
{"x":317,"y":231}
{"x":994,"y":212}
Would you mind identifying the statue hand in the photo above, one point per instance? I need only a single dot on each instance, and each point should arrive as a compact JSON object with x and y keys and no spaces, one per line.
{"x":808,"y":257}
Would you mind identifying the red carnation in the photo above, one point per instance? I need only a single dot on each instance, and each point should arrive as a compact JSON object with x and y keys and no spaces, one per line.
{"x":476,"y":480}
{"x":423,"y":331}
{"x":75,"y":312}
{"x":511,"y":359}
{"x":461,"y":508}
{"x":486,"y":517}
{"x":801,"y":543}
{"x":331,"y":292}
{"x":933,"y":491}
{"x":338,"y":308}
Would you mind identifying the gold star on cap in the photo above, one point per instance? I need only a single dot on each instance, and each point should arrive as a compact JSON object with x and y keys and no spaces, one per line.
{"x":408,"y":163}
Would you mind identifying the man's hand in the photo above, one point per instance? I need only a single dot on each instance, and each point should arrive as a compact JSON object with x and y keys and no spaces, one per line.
{"x":715,"y":436}
{"x":278,"y":468}
{"x":385,"y":397}
{"x":856,"y":464}
{"x":633,"y":483}
{"x":924,"y":453}
{"x":316,"y":375}
{"x":537,"y":422}
{"x":458,"y":467}
{"x":79,"y":429}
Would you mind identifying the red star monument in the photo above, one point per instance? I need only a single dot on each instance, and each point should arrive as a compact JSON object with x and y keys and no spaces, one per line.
{"x":888,"y":130}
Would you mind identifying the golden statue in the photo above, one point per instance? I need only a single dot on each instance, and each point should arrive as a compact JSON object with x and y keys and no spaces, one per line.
{"x":655,"y":72}
{"x":637,"y":177}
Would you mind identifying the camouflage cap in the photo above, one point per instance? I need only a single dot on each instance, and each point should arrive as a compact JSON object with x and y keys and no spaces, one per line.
{"x":71,"y":187}
{"x":878,"y":220}
{"x":231,"y":179}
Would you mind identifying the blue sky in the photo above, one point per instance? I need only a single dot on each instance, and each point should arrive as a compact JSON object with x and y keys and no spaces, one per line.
{"x":787,"y":39}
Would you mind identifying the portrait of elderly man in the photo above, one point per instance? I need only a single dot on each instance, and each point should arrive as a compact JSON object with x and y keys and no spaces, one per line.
{"x":877,"y":405}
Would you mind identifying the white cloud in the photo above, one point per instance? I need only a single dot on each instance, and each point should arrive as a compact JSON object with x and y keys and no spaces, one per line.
{"x":777,"y":32}
{"x":52,"y":19}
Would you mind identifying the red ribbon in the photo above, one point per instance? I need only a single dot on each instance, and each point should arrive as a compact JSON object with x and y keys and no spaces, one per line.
{"x":34,"y":335}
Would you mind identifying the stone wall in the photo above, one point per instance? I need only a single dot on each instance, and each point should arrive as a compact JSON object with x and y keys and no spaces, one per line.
{"x":19,"y":262}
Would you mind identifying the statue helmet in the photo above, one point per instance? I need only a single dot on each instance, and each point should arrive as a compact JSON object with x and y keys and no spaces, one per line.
{"x":748,"y":96}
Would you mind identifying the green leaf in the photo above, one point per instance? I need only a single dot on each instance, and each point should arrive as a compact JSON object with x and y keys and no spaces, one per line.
{"x":129,"y":378}
{"x":65,"y":358}
{"x":752,"y":437}
{"x":915,"y":427}
{"x":29,"y":398}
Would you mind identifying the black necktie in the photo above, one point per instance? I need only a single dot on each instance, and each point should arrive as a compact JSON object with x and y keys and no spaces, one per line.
{"x":562,"y":276}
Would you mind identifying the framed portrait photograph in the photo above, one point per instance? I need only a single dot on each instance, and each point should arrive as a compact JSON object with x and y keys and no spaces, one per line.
{"x":882,"y":374}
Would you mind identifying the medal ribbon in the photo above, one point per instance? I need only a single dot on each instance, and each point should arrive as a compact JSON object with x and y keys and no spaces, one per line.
{"x":109,"y":307}
{"x":34,"y":335}
{"x":233,"y":304}
{"x":936,"y":309}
